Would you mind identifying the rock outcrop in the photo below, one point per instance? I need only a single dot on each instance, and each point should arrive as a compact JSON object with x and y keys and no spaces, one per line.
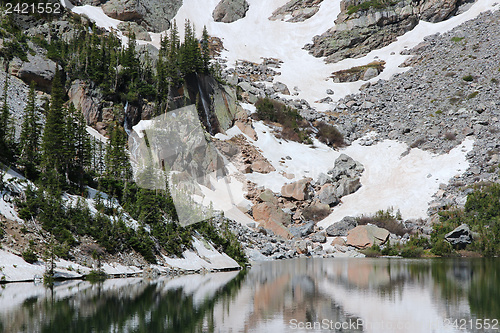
{"x":155,"y":15}
{"x":38,"y":69}
{"x":460,"y":236}
{"x":296,"y":10}
{"x":364,"y":25}
{"x":229,"y":11}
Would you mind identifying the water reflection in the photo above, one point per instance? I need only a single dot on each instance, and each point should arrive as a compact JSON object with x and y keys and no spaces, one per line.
{"x":360,"y":295}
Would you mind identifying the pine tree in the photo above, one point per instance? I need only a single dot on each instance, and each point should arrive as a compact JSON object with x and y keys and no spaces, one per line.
{"x":116,"y":158}
{"x":205,"y":50}
{"x":6,"y":128}
{"x":29,"y":145}
{"x":53,"y":140}
{"x":82,"y":146}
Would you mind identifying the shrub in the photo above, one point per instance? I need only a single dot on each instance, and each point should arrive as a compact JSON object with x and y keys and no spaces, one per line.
{"x":412,"y":252}
{"x":386,"y":220}
{"x":472,"y":95}
{"x":417,"y":241}
{"x":418,"y":142}
{"x":29,"y":256}
{"x":390,"y":250}
{"x":450,"y":136}
{"x":468,"y":78}
{"x":294,"y":127}
{"x":372,"y":252}
{"x":330,"y":135}
{"x":442,"y":248}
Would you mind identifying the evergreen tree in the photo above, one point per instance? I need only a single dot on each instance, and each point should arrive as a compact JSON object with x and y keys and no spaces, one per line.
{"x":29,"y":145}
{"x":117,"y":161}
{"x":6,"y":128}
{"x":191,"y":61}
{"x":53,"y":140}
{"x":205,"y":50}
{"x":83,"y":148}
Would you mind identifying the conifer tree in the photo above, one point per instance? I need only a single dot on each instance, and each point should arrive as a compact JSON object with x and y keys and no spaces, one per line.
{"x":53,"y":140}
{"x":82,"y":146}
{"x":116,"y":158}
{"x":6,"y":128}
{"x":29,"y":144}
{"x":205,"y":50}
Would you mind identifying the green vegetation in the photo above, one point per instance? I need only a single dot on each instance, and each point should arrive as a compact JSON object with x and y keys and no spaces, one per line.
{"x":294,"y":127}
{"x":329,"y":135}
{"x":472,"y":95}
{"x":468,"y":78}
{"x":457,"y":39}
{"x":377,"y":4}
{"x":96,"y":276}
{"x":29,"y":256}
{"x":387,"y":220}
{"x":481,"y":214}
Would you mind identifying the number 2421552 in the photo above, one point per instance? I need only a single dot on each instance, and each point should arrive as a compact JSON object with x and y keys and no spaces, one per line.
{"x":24,"y":8}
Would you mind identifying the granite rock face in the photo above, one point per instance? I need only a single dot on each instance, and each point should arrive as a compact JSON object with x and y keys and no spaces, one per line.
{"x":362,"y":26}
{"x":228,"y":11}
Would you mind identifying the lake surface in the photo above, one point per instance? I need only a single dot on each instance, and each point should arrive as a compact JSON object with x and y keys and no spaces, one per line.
{"x":300,"y":295}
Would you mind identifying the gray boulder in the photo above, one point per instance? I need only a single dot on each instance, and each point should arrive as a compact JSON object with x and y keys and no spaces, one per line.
{"x":327,"y":195}
{"x":302,"y":230}
{"x":460,"y":236}
{"x":342,"y":227}
{"x":319,"y":237}
{"x":347,"y":186}
{"x":37,"y":69}
{"x":228,"y":11}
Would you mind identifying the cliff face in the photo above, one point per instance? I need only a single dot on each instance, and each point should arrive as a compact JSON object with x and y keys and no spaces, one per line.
{"x":363,"y":25}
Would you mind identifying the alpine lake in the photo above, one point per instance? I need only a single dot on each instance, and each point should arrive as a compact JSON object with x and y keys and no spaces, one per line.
{"x":297,"y":295}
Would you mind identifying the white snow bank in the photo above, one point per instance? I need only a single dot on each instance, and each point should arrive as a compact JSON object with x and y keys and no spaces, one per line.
{"x":390,"y":180}
{"x":204,"y":256}
{"x":405,"y":183}
{"x":14,"y":268}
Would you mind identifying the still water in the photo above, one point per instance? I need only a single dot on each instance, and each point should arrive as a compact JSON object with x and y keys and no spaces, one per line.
{"x":301,"y":295}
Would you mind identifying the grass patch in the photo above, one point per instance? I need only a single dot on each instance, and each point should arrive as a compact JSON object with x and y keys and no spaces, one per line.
{"x":457,"y":39}
{"x":376,"y":4}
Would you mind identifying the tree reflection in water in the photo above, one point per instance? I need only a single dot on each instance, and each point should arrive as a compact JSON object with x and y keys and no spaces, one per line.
{"x":268,"y":297}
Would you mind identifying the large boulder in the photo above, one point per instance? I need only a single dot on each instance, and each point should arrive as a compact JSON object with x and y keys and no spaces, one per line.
{"x":316,"y":212}
{"x":266,"y":211}
{"x":342,"y":227}
{"x":460,"y":236}
{"x":38,"y":69}
{"x":228,"y":11}
{"x":345,"y":166}
{"x":297,"y":190}
{"x":437,"y":10}
{"x":123,"y":10}
{"x":327,"y":195}
{"x":347,"y":186}
{"x":155,"y":15}
{"x":364,"y":236}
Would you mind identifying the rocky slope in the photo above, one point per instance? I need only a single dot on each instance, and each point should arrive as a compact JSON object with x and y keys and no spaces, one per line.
{"x":364,"y":25}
